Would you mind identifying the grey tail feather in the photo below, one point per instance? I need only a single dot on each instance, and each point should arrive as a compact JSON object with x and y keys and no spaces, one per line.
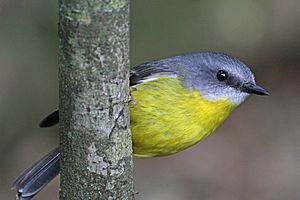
{"x":35,"y":178}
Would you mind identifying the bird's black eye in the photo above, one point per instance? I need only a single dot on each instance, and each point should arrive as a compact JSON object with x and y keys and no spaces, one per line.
{"x":222,"y":75}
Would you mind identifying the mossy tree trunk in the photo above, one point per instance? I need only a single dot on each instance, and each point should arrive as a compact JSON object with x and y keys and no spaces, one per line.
{"x":96,"y":149}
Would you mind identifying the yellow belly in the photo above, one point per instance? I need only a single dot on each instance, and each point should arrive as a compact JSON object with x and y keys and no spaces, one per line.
{"x":167,"y":118}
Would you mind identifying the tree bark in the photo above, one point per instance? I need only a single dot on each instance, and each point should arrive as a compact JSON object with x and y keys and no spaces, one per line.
{"x":95,"y":138}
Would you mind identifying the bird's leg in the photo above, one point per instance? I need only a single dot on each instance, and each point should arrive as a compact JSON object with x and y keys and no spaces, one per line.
{"x":132,"y":99}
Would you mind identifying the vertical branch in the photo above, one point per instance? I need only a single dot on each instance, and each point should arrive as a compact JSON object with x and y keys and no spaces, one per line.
{"x":95,"y":137}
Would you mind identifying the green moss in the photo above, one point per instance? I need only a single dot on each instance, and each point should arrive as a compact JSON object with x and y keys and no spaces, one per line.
{"x":116,"y":4}
{"x":109,"y":5}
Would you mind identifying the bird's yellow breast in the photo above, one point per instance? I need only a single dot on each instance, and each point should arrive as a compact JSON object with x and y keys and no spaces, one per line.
{"x":167,"y":118}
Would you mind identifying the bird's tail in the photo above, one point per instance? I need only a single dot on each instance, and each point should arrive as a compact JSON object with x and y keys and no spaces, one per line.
{"x":35,"y":178}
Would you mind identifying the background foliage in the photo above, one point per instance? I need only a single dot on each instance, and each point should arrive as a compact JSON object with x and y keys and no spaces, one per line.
{"x":254,"y":155}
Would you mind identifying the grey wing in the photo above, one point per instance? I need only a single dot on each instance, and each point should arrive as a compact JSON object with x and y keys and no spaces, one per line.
{"x":150,"y":70}
{"x":50,"y":120}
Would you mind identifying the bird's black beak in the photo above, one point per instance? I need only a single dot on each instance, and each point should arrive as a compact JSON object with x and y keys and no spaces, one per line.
{"x":252,"y":88}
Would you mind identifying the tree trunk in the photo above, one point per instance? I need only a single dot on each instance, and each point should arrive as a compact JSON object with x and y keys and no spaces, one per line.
{"x":96,"y":149}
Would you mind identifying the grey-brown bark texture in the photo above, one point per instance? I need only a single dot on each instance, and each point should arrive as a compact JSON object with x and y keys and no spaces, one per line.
{"x":95,"y":135}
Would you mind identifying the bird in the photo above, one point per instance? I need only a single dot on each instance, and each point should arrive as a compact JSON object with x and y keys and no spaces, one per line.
{"x":176,"y":103}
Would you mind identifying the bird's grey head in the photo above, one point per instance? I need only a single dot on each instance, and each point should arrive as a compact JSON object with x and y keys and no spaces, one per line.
{"x":218,"y":76}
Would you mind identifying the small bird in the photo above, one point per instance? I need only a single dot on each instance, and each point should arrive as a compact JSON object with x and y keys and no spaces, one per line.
{"x":177,"y":102}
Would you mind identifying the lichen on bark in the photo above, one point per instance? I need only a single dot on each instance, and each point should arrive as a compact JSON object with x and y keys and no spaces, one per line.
{"x":95,"y":135}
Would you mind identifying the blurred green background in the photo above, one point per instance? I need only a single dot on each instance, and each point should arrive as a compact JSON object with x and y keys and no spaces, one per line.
{"x":254,"y":155}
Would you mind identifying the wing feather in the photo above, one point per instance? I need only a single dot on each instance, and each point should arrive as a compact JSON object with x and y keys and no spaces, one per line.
{"x":149,"y":71}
